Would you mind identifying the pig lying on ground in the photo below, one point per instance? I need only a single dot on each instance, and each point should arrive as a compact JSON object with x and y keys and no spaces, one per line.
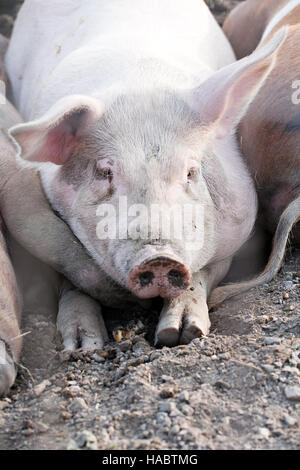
{"x":124,"y":100}
{"x":33,"y":223}
{"x":270,"y":132}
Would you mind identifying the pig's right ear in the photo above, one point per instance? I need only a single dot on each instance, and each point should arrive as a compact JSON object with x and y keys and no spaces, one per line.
{"x":54,"y":137}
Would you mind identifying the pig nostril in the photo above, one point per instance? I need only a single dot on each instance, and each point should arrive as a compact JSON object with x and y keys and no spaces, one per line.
{"x":146,"y":278}
{"x":175,"y":278}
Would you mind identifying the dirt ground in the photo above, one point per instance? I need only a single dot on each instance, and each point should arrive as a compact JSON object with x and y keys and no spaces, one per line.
{"x":238,"y":388}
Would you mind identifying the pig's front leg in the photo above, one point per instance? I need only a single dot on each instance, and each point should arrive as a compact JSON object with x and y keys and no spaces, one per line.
{"x":79,"y":321}
{"x":186,"y":317}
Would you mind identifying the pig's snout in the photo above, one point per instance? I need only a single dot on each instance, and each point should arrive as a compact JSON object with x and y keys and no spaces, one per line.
{"x":160,"y":276}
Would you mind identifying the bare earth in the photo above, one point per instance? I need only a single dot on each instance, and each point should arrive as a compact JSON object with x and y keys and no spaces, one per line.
{"x":239,"y":388}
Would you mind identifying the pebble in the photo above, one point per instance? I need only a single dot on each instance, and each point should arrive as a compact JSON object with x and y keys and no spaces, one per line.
{"x":167,"y":378}
{"x":167,"y":407}
{"x":264,"y":433}
{"x":292,"y":392}
{"x":184,"y":396}
{"x":125,"y":345}
{"x":268,"y":340}
{"x":175,"y":429}
{"x":66,"y":415}
{"x":163,"y":419}
{"x":40,"y":388}
{"x":98,"y":358}
{"x":289,"y":420}
{"x":78,"y":404}
{"x":187,"y":410}
{"x":268,"y":367}
{"x":41,"y":427}
{"x":288,"y":285}
{"x":167,"y":392}
{"x":87,"y":440}
{"x":155,"y":355}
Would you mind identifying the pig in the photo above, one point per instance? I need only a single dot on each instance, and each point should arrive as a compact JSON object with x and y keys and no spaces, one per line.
{"x":269,"y":133}
{"x":29,"y":284}
{"x":25,"y":282}
{"x":10,"y":312}
{"x":139,"y":101}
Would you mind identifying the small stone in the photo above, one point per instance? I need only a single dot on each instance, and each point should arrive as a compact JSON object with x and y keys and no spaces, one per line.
{"x":264,"y":433}
{"x":184,"y":396}
{"x":288,"y":285}
{"x":187,"y":410}
{"x":98,"y":358}
{"x":167,"y":407}
{"x":225,"y":355}
{"x":269,"y":340}
{"x":66,"y":415}
{"x":41,"y":427}
{"x":72,"y":445}
{"x":222,"y":385}
{"x":292,"y":392}
{"x":163,"y":419}
{"x":292,"y":308}
{"x":161,"y":416}
{"x":78,"y":404}
{"x":167,"y":392}
{"x":155,"y":355}
{"x":40,"y":388}
{"x":268,"y":367}
{"x":289,"y":420}
{"x":167,"y":378}
{"x":125,"y":345}
{"x":87,"y":440}
{"x":28,"y":424}
{"x":286,"y":295}
{"x":175,"y":429}
{"x":136,"y":361}
{"x":120,"y":373}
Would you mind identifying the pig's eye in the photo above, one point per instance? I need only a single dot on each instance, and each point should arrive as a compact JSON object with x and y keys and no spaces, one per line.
{"x":192,"y":174}
{"x":105,"y":174}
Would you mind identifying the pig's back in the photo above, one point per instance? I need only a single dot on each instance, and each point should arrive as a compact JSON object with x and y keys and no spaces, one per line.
{"x":71,"y":42}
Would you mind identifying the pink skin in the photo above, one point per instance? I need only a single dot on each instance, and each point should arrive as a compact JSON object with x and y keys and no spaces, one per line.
{"x":159,"y":276}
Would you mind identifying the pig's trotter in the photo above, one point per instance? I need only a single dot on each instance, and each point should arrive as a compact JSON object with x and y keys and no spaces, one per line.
{"x":169,"y":325}
{"x":7,"y":370}
{"x":182,"y":320}
{"x":80,"y":322}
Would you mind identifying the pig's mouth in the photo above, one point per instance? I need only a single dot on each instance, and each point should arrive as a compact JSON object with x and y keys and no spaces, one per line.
{"x":159,"y":276}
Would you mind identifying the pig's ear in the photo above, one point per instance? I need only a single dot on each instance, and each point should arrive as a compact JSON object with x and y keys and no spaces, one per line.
{"x":54,"y":137}
{"x":223,"y":99}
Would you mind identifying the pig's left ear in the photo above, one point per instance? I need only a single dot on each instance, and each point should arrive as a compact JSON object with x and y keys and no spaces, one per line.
{"x":223,"y":99}
{"x":53,"y":137}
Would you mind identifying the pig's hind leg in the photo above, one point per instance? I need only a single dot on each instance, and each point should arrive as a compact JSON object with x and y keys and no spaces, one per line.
{"x":79,"y":321}
{"x":186,"y":317}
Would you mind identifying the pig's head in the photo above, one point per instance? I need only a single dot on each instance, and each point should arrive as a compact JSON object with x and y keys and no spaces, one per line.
{"x":143,"y":182}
